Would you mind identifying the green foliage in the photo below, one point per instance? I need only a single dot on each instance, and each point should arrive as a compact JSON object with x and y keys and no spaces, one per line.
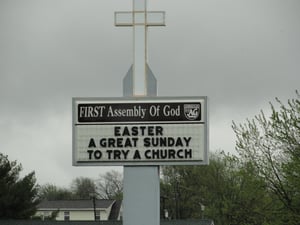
{"x":17,"y":195}
{"x":83,"y":187}
{"x":232,"y":193}
{"x":52,"y":192}
{"x":272,"y":145}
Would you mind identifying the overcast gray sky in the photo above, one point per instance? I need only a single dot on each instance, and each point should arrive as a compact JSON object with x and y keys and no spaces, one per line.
{"x":240,"y":53}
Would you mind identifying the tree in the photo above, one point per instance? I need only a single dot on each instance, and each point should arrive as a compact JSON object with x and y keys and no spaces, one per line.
{"x":83,"y":188}
{"x":232,"y":193}
{"x":18,"y":196}
{"x":272,"y":145}
{"x":110,"y":185}
{"x":52,"y":192}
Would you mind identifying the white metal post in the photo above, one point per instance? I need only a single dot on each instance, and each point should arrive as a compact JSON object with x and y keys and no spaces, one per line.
{"x":141,"y":184}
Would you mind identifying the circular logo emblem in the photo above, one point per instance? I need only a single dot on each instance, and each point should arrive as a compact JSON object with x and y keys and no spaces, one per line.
{"x":191,"y":111}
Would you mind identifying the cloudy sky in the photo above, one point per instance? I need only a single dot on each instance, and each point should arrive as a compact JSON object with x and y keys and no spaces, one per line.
{"x":240,"y":53}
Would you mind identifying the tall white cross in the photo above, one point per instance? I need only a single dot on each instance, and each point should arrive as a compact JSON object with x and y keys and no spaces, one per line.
{"x":140,"y":19}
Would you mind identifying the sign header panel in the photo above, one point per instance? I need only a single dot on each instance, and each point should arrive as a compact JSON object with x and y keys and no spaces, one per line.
{"x":140,"y":131}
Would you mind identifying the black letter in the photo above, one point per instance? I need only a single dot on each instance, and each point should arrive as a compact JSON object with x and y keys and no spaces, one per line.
{"x":117,"y":131}
{"x":142,"y":128}
{"x":90,"y":153}
{"x":134,"y":131}
{"x":126,"y":132}
{"x":188,"y":153}
{"x":92,"y":143}
{"x":137,"y":155}
{"x":147,"y":155}
{"x":172,"y":154}
{"x":97,"y":154}
{"x":109,"y":153}
{"x":159,"y":130}
{"x":146,"y":142}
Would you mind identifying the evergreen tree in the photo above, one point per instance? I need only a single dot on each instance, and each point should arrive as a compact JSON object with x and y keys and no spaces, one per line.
{"x":18,"y":196}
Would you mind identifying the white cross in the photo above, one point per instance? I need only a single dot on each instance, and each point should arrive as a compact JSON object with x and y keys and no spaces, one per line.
{"x":140,"y":19}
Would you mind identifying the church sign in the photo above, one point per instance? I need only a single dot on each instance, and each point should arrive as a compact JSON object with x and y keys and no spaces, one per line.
{"x":140,"y":131}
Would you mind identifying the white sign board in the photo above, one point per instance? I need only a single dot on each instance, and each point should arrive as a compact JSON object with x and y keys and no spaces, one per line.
{"x":140,"y":131}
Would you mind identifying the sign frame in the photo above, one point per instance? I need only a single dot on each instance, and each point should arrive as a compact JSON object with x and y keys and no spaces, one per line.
{"x":76,"y":101}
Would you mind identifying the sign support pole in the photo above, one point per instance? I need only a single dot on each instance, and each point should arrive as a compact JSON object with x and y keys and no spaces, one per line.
{"x":141,"y":184}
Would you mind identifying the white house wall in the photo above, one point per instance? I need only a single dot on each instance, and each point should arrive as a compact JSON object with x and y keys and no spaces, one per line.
{"x":82,"y":215}
{"x":76,"y":215}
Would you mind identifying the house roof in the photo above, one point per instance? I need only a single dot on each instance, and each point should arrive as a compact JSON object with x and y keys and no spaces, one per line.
{"x":75,"y":204}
